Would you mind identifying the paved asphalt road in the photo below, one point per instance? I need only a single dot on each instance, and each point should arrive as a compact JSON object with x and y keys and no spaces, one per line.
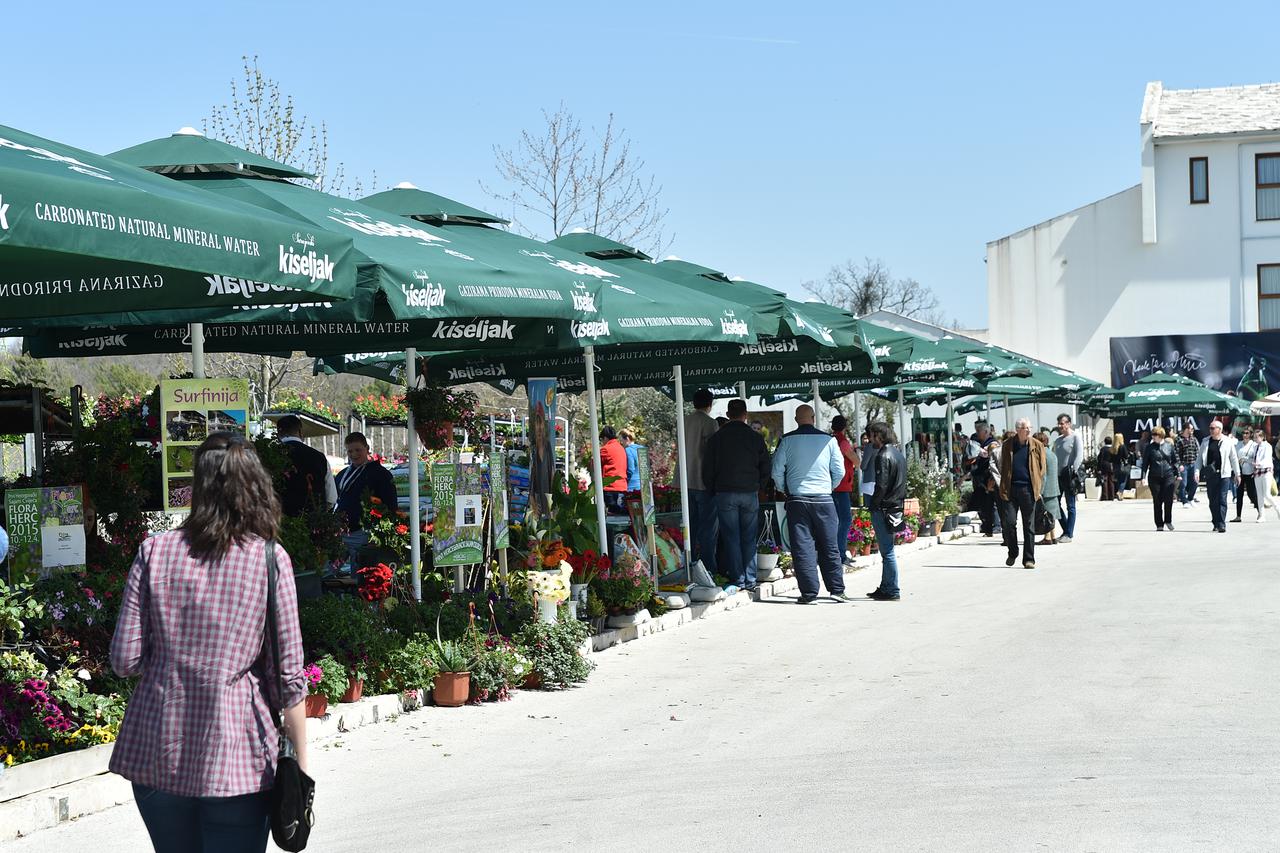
{"x":1121,"y":697}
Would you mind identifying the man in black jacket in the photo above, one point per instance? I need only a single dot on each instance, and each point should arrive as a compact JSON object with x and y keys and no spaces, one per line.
{"x":309,"y":482}
{"x":735,"y":468}
{"x":886,"y":505}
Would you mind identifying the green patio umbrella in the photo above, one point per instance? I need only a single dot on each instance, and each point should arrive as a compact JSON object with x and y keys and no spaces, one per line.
{"x":407,"y":200}
{"x":1160,"y":394}
{"x":80,"y":234}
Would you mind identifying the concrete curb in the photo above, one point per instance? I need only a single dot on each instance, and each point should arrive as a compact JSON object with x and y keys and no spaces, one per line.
{"x":54,"y":790}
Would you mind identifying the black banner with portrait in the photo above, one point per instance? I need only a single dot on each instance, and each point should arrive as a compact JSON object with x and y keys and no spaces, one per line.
{"x":1243,"y":364}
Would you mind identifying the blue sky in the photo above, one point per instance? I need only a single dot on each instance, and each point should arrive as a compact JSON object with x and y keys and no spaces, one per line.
{"x":787,"y":137}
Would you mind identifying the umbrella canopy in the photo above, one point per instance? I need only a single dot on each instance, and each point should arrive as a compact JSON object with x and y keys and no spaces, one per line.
{"x":407,"y":200}
{"x":1266,"y":407}
{"x":80,"y":233}
{"x":1162,"y":393}
{"x":473,"y":287}
{"x":191,"y":152}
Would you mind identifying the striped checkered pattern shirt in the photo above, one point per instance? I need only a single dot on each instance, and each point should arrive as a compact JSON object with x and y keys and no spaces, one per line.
{"x":199,"y":722}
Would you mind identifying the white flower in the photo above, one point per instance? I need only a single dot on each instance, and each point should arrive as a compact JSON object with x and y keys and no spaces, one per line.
{"x":83,"y":675}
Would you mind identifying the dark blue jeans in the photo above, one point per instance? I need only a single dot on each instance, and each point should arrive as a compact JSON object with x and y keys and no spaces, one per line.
{"x":1187,"y":484}
{"x":1069,"y":517}
{"x":739,"y":514}
{"x":888,"y":558}
{"x":204,"y":824}
{"x":703,"y":527}
{"x":844,"y":519}
{"x":811,"y":521}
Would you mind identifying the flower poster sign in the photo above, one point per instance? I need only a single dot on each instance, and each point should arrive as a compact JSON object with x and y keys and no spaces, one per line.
{"x":457,"y":495}
{"x":190,"y":411}
{"x":46,"y":530}
{"x":646,"y":486}
{"x":498,"y":499}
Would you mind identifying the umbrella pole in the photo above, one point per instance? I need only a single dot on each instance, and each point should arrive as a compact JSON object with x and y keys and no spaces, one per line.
{"x":415,"y":508}
{"x":902,"y":421}
{"x":857,"y":416}
{"x":817,"y":403}
{"x":951,"y":445}
{"x":684,"y":475}
{"x":597,"y":473}
{"x":1007,"y":425}
{"x":197,"y":351}
{"x":742,"y":390}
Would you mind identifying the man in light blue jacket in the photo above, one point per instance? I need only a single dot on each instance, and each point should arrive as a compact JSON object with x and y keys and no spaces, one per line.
{"x":808,"y":466}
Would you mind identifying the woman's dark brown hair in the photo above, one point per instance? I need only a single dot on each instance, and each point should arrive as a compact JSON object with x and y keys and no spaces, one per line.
{"x":232,"y":498}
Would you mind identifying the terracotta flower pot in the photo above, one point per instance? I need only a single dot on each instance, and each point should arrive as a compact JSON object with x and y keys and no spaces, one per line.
{"x":355,"y":689}
{"x":864,"y":549}
{"x":316,"y":705}
{"x":532,"y":681}
{"x":451,"y":689}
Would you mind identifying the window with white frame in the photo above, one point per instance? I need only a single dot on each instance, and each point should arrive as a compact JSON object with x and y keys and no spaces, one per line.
{"x":1268,"y":297}
{"x":1267,"y":180}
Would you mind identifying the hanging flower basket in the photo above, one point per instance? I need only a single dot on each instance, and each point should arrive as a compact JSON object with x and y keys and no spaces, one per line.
{"x":438,"y":410}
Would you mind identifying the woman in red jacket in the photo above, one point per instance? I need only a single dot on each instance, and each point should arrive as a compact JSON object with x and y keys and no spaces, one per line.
{"x":613,"y":467}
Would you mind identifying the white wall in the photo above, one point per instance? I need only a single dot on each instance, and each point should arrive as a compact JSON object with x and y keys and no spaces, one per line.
{"x":1060,"y":290}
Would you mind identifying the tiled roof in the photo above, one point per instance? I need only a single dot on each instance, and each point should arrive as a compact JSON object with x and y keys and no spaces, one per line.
{"x":1202,"y":112}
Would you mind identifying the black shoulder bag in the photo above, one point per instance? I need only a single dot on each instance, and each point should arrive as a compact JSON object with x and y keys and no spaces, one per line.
{"x":294,"y":792}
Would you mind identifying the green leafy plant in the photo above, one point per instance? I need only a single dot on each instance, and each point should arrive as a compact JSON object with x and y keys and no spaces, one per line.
{"x":350,"y":630}
{"x":497,"y":666}
{"x":450,"y":656}
{"x":409,"y":667}
{"x":290,"y":400}
{"x":555,"y":651}
{"x":333,"y":679}
{"x":18,"y":608}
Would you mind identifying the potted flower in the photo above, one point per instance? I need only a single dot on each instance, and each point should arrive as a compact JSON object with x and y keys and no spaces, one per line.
{"x":583,"y":568}
{"x":326,"y":682}
{"x":438,"y":410}
{"x":452,"y":683}
{"x":625,"y":587}
{"x":862,"y":534}
{"x":388,"y":530}
{"x":550,"y":588}
{"x":380,"y":410}
{"x":767,"y":554}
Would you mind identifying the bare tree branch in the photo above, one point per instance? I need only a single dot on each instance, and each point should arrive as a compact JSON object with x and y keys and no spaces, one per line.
{"x":558,"y":179}
{"x":262,"y":119}
{"x":865,"y":287}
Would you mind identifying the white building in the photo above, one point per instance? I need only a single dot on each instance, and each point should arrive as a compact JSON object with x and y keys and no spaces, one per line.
{"x":1193,"y":249}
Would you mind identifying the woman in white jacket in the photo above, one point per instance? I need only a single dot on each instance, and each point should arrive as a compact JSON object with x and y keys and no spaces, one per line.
{"x":1262,"y":468}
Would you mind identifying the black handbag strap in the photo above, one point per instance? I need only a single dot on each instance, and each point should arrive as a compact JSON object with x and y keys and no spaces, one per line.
{"x":273,"y":629}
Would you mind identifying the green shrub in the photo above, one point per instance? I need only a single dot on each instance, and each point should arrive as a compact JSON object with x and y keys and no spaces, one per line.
{"x":556,"y":651}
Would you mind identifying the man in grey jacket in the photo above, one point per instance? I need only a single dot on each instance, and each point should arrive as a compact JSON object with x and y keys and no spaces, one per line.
{"x":808,"y":465}
{"x":699,"y":426}
{"x":1068,"y":453}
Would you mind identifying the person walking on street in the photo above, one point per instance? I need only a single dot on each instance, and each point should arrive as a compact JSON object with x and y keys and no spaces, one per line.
{"x":985,"y":484}
{"x":1188,"y":452}
{"x":699,"y":426}
{"x":1219,"y":466}
{"x":1107,"y":469}
{"x":1049,"y":492}
{"x":1160,"y":466}
{"x":807,"y":466}
{"x":843,"y":494}
{"x":1121,"y":463}
{"x":198,"y":742}
{"x":887,"y":506}
{"x":735,"y":468}
{"x":1068,"y":453}
{"x":1022,"y":465}
{"x":866,"y":470}
{"x":1262,"y":467}
{"x":1246,"y":451}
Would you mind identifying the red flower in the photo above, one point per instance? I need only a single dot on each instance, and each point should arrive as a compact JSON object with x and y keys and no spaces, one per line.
{"x":375,"y":513}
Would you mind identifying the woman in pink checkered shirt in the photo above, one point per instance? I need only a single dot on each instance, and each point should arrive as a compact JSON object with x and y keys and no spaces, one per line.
{"x":198,"y":741}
